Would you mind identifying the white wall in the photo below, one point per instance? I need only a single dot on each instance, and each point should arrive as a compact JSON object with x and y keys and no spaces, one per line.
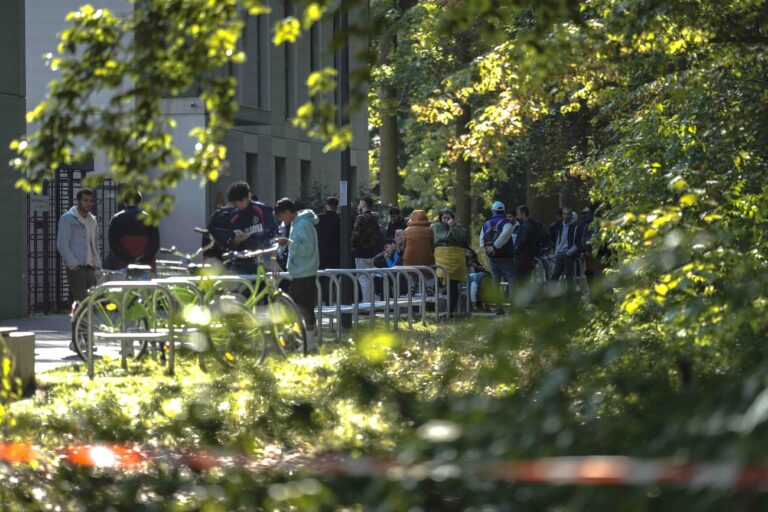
{"x":191,"y":210}
{"x":45,"y":19}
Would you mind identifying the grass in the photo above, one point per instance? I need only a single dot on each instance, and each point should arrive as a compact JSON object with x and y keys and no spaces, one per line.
{"x":343,"y":398}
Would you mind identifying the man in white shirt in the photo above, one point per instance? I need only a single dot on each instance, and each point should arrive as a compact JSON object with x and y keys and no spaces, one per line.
{"x":76,"y":242}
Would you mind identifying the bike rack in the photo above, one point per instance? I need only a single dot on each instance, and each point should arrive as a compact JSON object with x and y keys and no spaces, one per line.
{"x":334,"y":285}
{"x":124,"y":286}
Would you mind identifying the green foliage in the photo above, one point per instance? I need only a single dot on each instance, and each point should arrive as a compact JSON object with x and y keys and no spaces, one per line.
{"x":662,"y":108}
{"x":534,"y":385}
{"x":115,"y":72}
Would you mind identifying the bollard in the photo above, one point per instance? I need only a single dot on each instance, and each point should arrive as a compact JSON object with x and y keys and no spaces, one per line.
{"x":19,"y":347}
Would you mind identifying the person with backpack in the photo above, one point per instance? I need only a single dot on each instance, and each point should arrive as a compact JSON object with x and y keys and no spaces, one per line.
{"x":252,"y":225}
{"x":367,"y":241}
{"x":496,"y":241}
{"x":130,"y":239}
{"x":219,"y":231}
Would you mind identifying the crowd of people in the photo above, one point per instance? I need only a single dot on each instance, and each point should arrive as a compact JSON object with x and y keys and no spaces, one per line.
{"x":511,"y":240}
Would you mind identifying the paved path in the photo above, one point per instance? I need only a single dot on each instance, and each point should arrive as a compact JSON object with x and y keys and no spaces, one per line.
{"x":52,"y":337}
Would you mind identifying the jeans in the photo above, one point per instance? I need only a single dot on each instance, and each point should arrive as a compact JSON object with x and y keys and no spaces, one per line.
{"x":475,"y":280}
{"x":79,"y":282}
{"x":365,"y":283}
{"x":503,"y":269}
{"x":564,"y":264}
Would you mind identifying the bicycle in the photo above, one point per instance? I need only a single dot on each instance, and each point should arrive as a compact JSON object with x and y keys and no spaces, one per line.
{"x":108,"y":316}
{"x":275,"y":309}
{"x":141,"y":314}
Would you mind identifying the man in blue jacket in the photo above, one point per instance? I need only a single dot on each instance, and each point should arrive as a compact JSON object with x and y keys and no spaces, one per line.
{"x":252,"y":225}
{"x":496,"y":239}
{"x":303,"y":260}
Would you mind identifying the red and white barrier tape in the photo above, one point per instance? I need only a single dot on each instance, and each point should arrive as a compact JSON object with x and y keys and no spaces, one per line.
{"x":588,"y":470}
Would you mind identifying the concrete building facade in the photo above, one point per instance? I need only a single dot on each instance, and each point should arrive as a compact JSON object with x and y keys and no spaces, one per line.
{"x":263,"y":148}
{"x":13,"y":203}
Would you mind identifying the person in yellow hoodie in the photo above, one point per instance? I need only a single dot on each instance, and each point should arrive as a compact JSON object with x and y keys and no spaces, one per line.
{"x":450,"y":240}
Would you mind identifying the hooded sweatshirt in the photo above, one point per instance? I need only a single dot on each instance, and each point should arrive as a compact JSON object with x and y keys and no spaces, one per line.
{"x":419,"y":242}
{"x":303,"y":255}
{"x":565,"y":242}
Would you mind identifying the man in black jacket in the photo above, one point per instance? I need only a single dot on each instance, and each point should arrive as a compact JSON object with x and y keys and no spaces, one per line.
{"x":525,"y":245}
{"x":566,"y":246}
{"x":329,"y":244}
{"x":329,"y":235}
{"x":396,"y":221}
{"x":130,"y":239}
{"x":366,"y":242}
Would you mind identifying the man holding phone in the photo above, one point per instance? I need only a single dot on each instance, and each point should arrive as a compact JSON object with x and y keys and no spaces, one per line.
{"x":303,"y":260}
{"x":252,"y":225}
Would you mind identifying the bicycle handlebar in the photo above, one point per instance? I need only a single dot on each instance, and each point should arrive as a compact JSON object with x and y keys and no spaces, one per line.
{"x":247,"y":255}
{"x":190,"y":256}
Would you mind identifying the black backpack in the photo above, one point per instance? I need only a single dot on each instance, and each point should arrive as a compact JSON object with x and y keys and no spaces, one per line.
{"x":220,"y":230}
{"x":540,"y":238}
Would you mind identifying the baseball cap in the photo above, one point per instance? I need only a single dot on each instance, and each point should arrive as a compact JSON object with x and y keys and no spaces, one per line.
{"x":498,"y":206}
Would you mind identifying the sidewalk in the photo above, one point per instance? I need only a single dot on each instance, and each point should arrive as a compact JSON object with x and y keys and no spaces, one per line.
{"x":52,"y":337}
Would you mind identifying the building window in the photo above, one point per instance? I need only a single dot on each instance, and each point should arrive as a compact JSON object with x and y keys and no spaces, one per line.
{"x":251,"y":170}
{"x":262,"y":51}
{"x":306,"y":179}
{"x":314,"y":47}
{"x":281,"y":178}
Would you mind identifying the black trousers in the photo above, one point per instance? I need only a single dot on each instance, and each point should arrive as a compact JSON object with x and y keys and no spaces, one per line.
{"x":563,"y":264}
{"x":79,"y":282}
{"x":453,"y":287}
{"x":523,"y":270}
{"x":304,"y":293}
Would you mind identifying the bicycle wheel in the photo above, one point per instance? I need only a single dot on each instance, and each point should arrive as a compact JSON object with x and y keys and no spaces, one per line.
{"x":107,"y":319}
{"x":286,"y":326}
{"x":234,"y":332}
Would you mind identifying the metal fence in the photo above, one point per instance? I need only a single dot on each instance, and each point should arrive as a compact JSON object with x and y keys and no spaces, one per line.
{"x":48,"y":289}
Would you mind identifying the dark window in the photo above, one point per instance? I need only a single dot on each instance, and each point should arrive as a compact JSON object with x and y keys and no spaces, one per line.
{"x":290,"y":71}
{"x":306,"y":178}
{"x":281,"y":178}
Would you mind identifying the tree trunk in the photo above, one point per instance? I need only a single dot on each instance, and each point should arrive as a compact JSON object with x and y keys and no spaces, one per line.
{"x":388,"y":177}
{"x":462,"y":189}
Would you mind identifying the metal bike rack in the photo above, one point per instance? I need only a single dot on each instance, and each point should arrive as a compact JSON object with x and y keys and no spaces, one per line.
{"x":125,"y":286}
{"x":350,"y":274}
{"x":335,"y":285}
